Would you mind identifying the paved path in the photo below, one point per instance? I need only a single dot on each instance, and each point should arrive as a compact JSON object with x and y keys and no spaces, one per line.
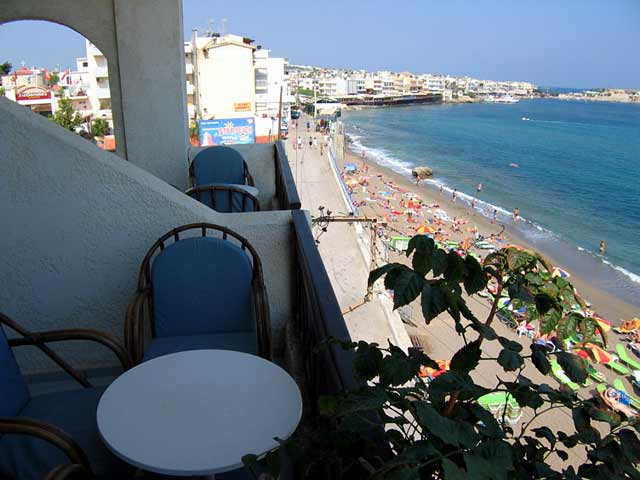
{"x":345,"y":264}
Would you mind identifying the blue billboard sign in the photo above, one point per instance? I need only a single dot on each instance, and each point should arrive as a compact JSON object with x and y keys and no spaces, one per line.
{"x":227,"y":131}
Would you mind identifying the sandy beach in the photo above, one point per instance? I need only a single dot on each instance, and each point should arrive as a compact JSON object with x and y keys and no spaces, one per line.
{"x":607,"y":305}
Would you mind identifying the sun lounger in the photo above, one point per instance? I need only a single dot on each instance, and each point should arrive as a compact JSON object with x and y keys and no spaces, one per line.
{"x":597,"y":375}
{"x":618,"y":367}
{"x":617,"y":400}
{"x":558,"y":372}
{"x":624,"y":357}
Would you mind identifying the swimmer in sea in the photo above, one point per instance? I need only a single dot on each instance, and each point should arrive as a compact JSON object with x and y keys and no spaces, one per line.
{"x":602,"y":247}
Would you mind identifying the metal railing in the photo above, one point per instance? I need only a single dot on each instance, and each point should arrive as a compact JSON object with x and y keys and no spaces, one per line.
{"x":326,"y":369}
{"x":286,"y":191}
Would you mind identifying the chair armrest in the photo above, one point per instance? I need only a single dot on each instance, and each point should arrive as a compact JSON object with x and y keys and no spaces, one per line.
{"x":197,"y":193}
{"x":263,"y":321}
{"x":134,"y":325}
{"x":49,"y":433}
{"x":71,"y":471}
{"x":91,"y":335}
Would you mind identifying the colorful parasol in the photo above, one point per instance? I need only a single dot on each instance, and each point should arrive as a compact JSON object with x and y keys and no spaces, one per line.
{"x":598,"y":354}
{"x":604,"y":324}
{"x":424,"y":229}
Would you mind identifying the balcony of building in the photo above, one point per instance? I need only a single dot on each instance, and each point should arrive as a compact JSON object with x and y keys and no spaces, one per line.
{"x":75,"y":242}
{"x":189,"y":68}
{"x":101,"y":72}
{"x":190,"y":88}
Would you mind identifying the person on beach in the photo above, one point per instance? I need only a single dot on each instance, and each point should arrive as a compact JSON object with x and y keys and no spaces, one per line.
{"x":516,"y":214}
{"x":299,"y":142}
{"x":310,"y":142}
{"x":315,"y":142}
{"x":602,"y":247}
{"x":418,"y":178}
{"x":494,"y":216}
{"x":308,"y":125}
{"x":454,"y":195}
{"x":473,"y":203}
{"x":479,"y":188}
{"x":441,"y":189}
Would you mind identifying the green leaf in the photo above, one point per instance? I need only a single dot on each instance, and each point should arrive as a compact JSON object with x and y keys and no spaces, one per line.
{"x":367,"y":361}
{"x":407,"y":287}
{"x":452,"y":381}
{"x":452,"y":432}
{"x":484,"y":330}
{"x":455,"y":268}
{"x":510,"y":344}
{"x":453,"y":471}
{"x":550,"y":321}
{"x":364,"y":399}
{"x":510,"y":360}
{"x":378,"y":272}
{"x":433,"y":301}
{"x":412,"y":473}
{"x":518,"y":259}
{"x":438,"y":262}
{"x":474,"y":279}
{"x":423,"y":247}
{"x":491,"y":460}
{"x":569,"y":325}
{"x":544,"y":302}
{"x":605,"y":415}
{"x":629,"y":444}
{"x":467,"y":358}
{"x":573,"y":366}
{"x":397,"y":369}
{"x":545,"y":432}
{"x":539,"y":358}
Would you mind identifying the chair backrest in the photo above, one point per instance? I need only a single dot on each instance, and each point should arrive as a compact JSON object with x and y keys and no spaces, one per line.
{"x":218,"y":165}
{"x":225,"y":200}
{"x":14,"y":393}
{"x":202,"y":285}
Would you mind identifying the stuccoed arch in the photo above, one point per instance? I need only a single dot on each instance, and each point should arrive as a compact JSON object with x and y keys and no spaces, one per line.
{"x":92,"y":19}
{"x":143,"y":41}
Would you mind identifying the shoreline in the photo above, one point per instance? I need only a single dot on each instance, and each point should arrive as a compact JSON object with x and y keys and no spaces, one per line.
{"x":606,"y":304}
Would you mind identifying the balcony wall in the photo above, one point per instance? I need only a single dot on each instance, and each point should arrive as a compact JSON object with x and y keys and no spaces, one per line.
{"x":77,"y":222}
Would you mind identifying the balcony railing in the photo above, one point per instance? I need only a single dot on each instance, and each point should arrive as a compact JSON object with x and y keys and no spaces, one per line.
{"x":189,"y":68}
{"x":323,"y":369}
{"x":101,"y":72}
{"x":190,"y":89}
{"x":286,"y":191}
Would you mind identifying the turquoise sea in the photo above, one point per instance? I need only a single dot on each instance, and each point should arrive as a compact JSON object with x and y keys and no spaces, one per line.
{"x":577,"y":180}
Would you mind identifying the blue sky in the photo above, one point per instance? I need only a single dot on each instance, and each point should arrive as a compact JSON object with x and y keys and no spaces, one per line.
{"x":572,"y":43}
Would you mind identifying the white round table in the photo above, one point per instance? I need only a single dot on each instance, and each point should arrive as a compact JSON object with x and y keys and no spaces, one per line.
{"x":198,"y":412}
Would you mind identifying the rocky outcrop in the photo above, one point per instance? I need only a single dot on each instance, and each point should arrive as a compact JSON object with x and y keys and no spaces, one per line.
{"x":422,"y":172}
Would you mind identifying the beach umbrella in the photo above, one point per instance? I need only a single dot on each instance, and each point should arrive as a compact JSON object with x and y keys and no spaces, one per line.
{"x":352,"y":182}
{"x":604,"y":324}
{"x":350,"y":166}
{"x":558,"y":272}
{"x":424,"y":229}
{"x":598,"y":354}
{"x":384,"y":193}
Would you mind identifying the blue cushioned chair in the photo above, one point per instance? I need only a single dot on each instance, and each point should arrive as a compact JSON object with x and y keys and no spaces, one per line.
{"x":54,"y":434}
{"x":200,"y":287}
{"x":220,"y":179}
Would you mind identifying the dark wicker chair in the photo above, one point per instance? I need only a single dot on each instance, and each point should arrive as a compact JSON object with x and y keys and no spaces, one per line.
{"x":200,"y":286}
{"x":225,"y":198}
{"x":220,"y":179}
{"x":53,"y":434}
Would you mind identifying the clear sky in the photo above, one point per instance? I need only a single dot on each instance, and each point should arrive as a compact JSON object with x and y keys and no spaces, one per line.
{"x":571,"y":43}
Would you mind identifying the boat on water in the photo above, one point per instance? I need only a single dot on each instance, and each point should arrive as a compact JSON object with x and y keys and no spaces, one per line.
{"x":506,"y":99}
{"x":526,"y":119}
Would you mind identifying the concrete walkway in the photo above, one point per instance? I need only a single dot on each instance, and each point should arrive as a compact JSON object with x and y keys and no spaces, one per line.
{"x":338,"y":247}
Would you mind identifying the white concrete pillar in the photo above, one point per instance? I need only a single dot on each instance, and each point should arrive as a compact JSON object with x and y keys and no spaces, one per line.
{"x":150,"y":53}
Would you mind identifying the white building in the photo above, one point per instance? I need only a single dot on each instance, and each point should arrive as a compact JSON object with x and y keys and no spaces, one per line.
{"x":98,"y":79}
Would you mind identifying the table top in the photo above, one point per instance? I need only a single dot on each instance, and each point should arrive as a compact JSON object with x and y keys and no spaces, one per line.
{"x":198,"y":412}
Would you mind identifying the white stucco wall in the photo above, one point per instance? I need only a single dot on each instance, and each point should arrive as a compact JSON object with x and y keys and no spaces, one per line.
{"x":76,"y":223}
{"x":143,"y":43}
{"x":226,"y":78}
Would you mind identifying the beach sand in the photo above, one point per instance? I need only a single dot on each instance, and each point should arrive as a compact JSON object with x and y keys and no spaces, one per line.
{"x":606,"y":304}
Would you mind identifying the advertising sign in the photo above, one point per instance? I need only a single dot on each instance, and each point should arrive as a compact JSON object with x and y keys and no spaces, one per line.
{"x":227,"y":131}
{"x":242,"y":107}
{"x":33,"y":93}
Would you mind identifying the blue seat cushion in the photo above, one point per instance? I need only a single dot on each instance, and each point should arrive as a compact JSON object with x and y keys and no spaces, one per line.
{"x":218,"y":165}
{"x":239,"y":202}
{"x":202,"y":286}
{"x":26,"y":457}
{"x":14,"y":393}
{"x":246,"y":342}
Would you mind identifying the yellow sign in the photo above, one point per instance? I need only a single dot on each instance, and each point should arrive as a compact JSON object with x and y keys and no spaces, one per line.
{"x":242,"y":107}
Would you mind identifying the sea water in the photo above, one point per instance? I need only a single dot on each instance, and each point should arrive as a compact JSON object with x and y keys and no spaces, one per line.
{"x":576,"y":178}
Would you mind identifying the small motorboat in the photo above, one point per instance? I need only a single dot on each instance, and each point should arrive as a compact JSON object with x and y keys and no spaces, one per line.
{"x":514,"y":165}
